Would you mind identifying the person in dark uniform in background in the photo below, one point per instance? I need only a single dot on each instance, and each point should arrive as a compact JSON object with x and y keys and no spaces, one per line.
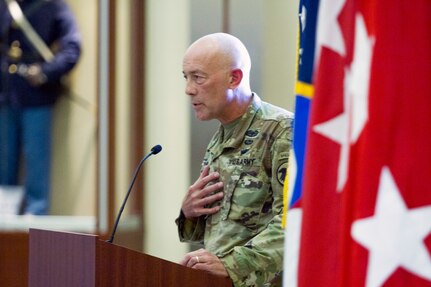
{"x":30,"y":84}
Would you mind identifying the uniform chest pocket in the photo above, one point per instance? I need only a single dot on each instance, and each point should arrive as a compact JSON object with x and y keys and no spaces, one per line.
{"x":250,"y":198}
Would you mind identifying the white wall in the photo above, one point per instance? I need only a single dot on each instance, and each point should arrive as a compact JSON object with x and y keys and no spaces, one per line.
{"x":279,"y":53}
{"x":75,"y":126}
{"x":166,"y":123}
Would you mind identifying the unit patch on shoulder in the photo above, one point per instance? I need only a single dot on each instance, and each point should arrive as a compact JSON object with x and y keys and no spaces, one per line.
{"x":281,"y":172}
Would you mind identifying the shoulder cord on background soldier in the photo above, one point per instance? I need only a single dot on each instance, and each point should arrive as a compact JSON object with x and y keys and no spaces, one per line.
{"x":28,"y":30}
{"x":36,"y":41}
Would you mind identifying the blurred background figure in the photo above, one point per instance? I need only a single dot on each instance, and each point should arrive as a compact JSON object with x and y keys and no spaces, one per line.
{"x":39,"y":44}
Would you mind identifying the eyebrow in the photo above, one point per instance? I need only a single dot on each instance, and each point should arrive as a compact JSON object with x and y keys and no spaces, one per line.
{"x":195,"y":72}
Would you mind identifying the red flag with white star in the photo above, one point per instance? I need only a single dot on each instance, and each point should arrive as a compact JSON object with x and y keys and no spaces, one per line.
{"x":367,"y":182}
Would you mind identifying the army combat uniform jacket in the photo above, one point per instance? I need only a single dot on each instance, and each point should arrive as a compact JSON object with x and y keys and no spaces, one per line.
{"x":246,"y":234}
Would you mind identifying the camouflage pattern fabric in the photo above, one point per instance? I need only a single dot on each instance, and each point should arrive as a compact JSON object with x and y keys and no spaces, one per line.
{"x":246,"y":234}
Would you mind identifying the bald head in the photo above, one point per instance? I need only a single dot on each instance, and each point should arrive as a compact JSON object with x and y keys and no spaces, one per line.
{"x":227,"y":51}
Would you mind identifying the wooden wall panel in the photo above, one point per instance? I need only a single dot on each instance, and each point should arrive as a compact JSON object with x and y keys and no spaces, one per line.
{"x":14,"y":259}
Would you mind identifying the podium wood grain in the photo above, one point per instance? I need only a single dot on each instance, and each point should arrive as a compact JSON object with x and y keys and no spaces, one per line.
{"x":71,"y":259}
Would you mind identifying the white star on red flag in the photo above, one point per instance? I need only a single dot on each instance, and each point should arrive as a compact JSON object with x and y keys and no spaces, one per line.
{"x":394,"y":235}
{"x":346,"y":128}
{"x":329,"y":33}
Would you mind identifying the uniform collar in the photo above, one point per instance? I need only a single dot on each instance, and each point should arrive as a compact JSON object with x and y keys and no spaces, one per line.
{"x":244,"y":123}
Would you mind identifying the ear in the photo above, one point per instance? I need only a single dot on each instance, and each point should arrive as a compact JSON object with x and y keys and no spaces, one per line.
{"x":235,"y":78}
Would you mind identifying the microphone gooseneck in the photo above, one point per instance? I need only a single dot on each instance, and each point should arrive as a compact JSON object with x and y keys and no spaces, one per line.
{"x":154,"y":150}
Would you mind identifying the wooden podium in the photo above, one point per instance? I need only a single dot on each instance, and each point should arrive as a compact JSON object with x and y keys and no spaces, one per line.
{"x":72,"y":259}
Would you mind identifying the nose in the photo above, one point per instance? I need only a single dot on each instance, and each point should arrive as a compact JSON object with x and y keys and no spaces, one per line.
{"x":190,"y":88}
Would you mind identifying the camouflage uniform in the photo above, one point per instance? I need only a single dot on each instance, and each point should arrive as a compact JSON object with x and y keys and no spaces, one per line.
{"x":246,"y":233}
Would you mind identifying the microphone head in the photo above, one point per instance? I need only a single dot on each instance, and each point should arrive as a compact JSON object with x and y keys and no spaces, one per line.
{"x":156,"y":149}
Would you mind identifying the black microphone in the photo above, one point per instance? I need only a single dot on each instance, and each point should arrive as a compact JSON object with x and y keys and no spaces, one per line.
{"x":155,"y":150}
